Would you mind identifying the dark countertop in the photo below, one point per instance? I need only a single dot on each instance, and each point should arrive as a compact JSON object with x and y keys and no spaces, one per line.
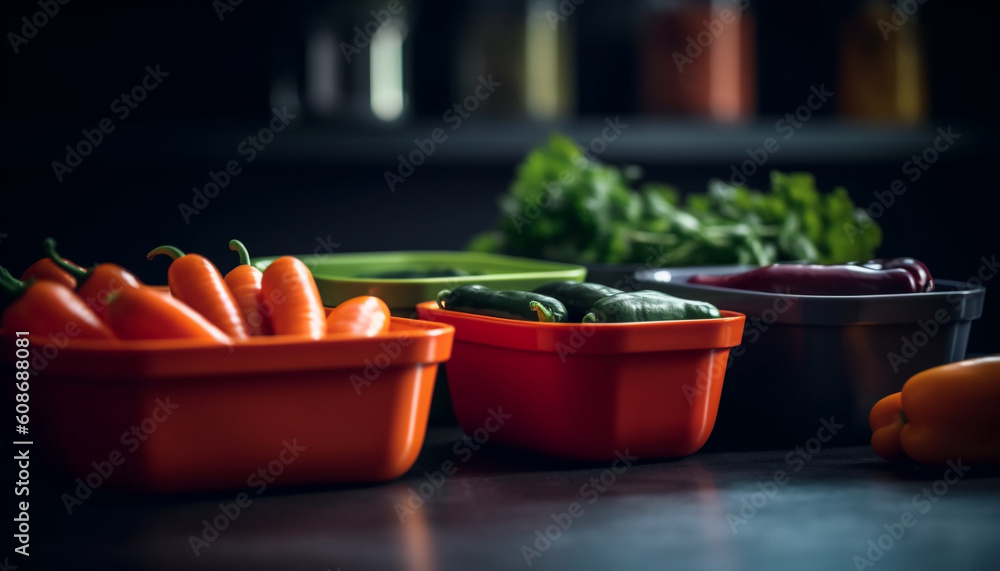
{"x":713,"y":510}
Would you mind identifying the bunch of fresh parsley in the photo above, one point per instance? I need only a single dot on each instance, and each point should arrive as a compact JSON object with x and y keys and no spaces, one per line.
{"x":565,"y":206}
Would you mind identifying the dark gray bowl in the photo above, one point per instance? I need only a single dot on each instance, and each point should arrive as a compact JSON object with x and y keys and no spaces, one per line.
{"x":811,"y":361}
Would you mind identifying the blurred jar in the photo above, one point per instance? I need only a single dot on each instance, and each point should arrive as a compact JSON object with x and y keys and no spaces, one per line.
{"x":527,"y":47}
{"x":356,"y":62}
{"x":883,"y":74}
{"x":698,"y":58}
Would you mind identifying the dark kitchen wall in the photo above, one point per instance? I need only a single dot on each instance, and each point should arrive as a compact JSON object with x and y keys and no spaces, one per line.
{"x":218,"y":73}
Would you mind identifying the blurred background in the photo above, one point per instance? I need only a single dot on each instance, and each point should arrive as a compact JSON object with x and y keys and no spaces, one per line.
{"x":321,"y":126}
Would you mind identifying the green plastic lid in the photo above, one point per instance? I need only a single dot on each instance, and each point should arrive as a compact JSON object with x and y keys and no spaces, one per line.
{"x":404,"y":279}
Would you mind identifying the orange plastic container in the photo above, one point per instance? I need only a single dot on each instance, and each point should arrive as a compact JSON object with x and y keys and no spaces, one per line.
{"x":589,"y":391}
{"x":178,"y":415}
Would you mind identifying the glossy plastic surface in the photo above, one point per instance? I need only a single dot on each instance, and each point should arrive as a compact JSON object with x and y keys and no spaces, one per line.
{"x":184,"y":416}
{"x":807,"y":358}
{"x":589,"y":391}
{"x":343,"y":276}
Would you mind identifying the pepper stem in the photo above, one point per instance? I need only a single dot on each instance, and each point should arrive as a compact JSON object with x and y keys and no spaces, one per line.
{"x":441,"y":297}
{"x":171,"y":251}
{"x":589,"y":318}
{"x":237,"y":246}
{"x":902,"y":416}
{"x":49,"y":246}
{"x":544,"y":313}
{"x":10,"y":287}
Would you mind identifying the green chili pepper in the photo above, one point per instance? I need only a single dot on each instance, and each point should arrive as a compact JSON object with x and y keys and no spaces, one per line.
{"x":521,"y":305}
{"x":647,"y":305}
{"x":576,"y":296}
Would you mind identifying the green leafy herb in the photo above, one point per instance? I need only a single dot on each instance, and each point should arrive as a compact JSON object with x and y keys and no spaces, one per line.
{"x":563,"y":205}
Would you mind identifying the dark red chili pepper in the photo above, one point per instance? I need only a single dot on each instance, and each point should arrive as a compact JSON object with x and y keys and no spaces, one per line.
{"x":45,"y":307}
{"x":919,"y":270}
{"x":46,"y":269}
{"x":816,"y":279}
{"x":96,"y":284}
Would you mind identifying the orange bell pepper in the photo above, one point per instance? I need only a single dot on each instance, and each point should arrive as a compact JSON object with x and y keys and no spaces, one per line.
{"x":945,"y":413}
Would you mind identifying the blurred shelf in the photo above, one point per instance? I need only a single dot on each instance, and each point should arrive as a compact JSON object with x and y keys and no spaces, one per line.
{"x":490,"y":142}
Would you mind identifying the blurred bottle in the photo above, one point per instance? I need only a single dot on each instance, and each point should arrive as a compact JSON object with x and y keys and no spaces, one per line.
{"x":698,"y":58}
{"x":550,"y":89}
{"x":883,"y":75}
{"x":356,"y":61}
{"x":527,"y":47}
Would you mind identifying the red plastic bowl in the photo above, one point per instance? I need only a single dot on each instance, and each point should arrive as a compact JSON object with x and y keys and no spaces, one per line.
{"x":588,"y":391}
{"x":180,"y":415}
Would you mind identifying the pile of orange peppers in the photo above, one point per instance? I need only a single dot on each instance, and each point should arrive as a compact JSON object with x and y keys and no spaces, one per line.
{"x":108,"y":302}
{"x":945,"y":414}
